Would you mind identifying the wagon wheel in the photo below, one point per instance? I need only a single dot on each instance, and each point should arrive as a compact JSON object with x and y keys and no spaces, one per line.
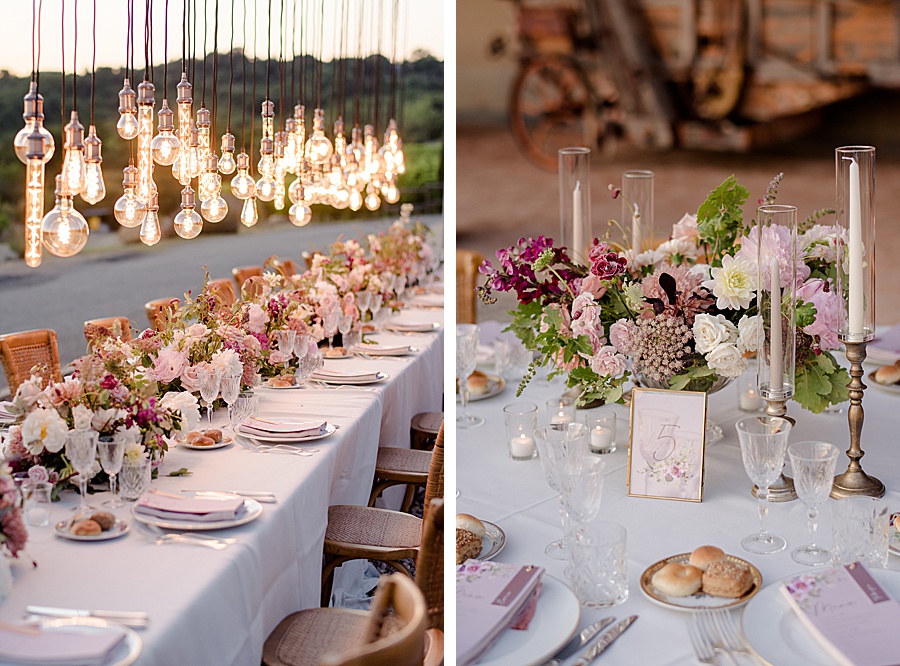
{"x":718,"y":73}
{"x":553,"y":106}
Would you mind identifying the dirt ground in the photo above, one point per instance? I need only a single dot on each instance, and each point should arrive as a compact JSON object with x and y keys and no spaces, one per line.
{"x":502,"y":196}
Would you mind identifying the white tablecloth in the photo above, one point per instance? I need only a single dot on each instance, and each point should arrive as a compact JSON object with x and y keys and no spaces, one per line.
{"x":515,"y":496}
{"x":217,"y":607}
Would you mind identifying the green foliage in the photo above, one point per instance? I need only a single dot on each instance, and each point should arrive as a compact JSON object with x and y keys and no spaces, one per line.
{"x":720,"y":218}
{"x":695,"y":378}
{"x":821,"y":382}
{"x":806,"y":314}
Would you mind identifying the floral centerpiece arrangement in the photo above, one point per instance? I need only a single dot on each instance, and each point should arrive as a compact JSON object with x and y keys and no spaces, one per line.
{"x":680,"y":316}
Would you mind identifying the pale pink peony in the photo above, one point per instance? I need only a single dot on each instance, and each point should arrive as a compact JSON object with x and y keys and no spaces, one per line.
{"x":276,"y":357}
{"x":167,"y":366}
{"x":66,"y":391}
{"x":196,"y":331}
{"x":607,"y":361}
{"x":686,"y":229}
{"x":776,"y":244}
{"x":621,"y":335}
{"x":258,"y":318}
{"x":190,"y":377}
{"x":828,"y":312}
{"x":594,"y":285}
{"x":562,"y":365}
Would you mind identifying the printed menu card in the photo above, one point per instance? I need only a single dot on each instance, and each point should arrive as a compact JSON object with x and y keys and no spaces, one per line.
{"x":849,"y":613}
{"x":491,"y":597}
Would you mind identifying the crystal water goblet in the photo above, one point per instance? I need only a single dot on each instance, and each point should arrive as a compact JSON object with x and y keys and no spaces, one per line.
{"x":763,"y":446}
{"x":285,"y":337}
{"x":375,"y":307}
{"x":112,"y":453}
{"x":813,"y":465}
{"x":209,"y":388}
{"x":345,"y":323}
{"x":363,"y":302}
{"x":245,"y":406}
{"x":230,"y":388}
{"x":330,"y":324}
{"x":557,"y":443}
{"x":466,"y":359}
{"x":81,"y":450}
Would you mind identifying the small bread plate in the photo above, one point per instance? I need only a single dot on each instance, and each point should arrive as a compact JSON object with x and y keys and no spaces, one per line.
{"x":496,"y":384}
{"x":250,"y":511}
{"x":492,"y":542}
{"x":890,"y":388}
{"x":218,"y":445}
{"x":335,"y":353}
{"x":700,"y":600}
{"x":266,"y":385}
{"x":63,"y":529}
{"x":776,"y":633}
{"x":126,"y":652}
{"x":352,"y":381}
{"x":555,"y":621}
{"x":286,"y":437}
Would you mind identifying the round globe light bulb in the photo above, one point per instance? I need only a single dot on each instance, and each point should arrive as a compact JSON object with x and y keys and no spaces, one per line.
{"x":128,"y":209}
{"x":188,"y":223}
{"x":227,"y":165}
{"x":64,"y":230}
{"x":300,"y":215}
{"x":242,"y":185}
{"x":214,"y":209}
{"x":265,"y":189}
{"x":127,"y":127}
{"x":150,"y":231}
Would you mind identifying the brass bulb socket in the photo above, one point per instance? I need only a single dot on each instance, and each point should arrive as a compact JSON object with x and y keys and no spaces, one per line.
{"x":127,"y":99}
{"x":129,"y":176}
{"x":188,"y":198}
{"x":184,"y":89}
{"x":228,"y":143}
{"x":34,"y":104}
{"x":35,"y":146}
{"x":268,"y":109}
{"x":212,"y":163}
{"x":92,"y":145}
{"x":74,"y":132}
{"x":204,"y":118}
{"x":266,"y":146}
{"x":166,"y":118}
{"x":243,"y":161}
{"x":290,"y":125}
{"x":145,"y":93}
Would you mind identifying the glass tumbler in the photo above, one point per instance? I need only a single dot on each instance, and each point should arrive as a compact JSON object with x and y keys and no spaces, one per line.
{"x":861,"y":531}
{"x":135,"y":479}
{"x":37,"y":504}
{"x":521,"y":420}
{"x":601,"y":427}
{"x":598,"y":564}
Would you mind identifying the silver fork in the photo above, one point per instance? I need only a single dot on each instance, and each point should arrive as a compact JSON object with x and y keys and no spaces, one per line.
{"x":705,"y":624}
{"x":733,"y":639}
{"x":273,"y":448}
{"x":159,"y":537}
{"x":702,"y":646}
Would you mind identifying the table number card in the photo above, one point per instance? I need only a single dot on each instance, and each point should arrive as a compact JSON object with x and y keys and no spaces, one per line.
{"x":849,"y":613}
{"x":668,"y":442}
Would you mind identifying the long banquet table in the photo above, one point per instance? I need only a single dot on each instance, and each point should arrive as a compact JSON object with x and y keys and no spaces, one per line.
{"x":515,"y":496}
{"x":217,"y":607}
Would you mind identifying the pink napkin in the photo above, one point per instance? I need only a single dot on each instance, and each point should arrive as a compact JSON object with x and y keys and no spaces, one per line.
{"x":61,"y":646}
{"x":189,"y":507}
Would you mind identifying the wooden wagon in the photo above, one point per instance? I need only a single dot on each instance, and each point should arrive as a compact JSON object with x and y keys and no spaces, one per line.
{"x":717,"y":74}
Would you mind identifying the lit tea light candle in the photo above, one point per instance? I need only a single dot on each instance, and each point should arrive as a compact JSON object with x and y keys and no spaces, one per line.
{"x":749,"y":401}
{"x":601,"y":438}
{"x":522,"y":446}
{"x":562,"y":417}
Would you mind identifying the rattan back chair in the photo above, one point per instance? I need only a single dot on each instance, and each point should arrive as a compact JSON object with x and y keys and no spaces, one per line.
{"x":159,"y":311}
{"x":242,"y":273}
{"x":118,"y":327}
{"x":286,"y":267}
{"x":223,"y":291}
{"x":430,"y":563}
{"x":362,"y":532}
{"x":467,"y":263}
{"x":393,"y":632}
{"x":30,"y":351}
{"x":252,"y":287}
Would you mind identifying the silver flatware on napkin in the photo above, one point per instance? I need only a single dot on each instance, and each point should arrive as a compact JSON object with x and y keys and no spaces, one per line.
{"x":137,"y":619}
{"x":161,"y":537}
{"x":262,"y":496}
{"x":582,"y":639}
{"x":599,"y":645}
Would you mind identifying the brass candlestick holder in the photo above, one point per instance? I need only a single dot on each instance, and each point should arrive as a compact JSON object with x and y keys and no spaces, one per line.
{"x":855,"y":481}
{"x":783,"y":488}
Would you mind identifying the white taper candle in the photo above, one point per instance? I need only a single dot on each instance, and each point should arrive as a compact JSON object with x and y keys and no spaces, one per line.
{"x":776,"y":351}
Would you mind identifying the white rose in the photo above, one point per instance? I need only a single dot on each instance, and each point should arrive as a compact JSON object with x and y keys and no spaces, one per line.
{"x":710,"y":331}
{"x":82,"y":416}
{"x":104,"y":418}
{"x":44,"y":429}
{"x":726,"y":360}
{"x":750,"y":333}
{"x":186,"y":404}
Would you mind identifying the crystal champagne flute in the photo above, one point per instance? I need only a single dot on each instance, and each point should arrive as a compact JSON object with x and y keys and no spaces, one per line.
{"x":285,"y":338}
{"x":81,"y":450}
{"x":230,"y":388}
{"x":763,"y":445}
{"x":209,"y":389}
{"x":466,"y":359}
{"x":813,"y":464}
{"x":112,"y":453}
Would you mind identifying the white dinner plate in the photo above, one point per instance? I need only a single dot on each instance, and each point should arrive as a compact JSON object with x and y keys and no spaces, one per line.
{"x":373,"y":350}
{"x":694,"y":602}
{"x":554,"y":623}
{"x":409,"y":327}
{"x":776,"y":633}
{"x":492,"y":542}
{"x":890,"y":388}
{"x":380,"y":377}
{"x":218,"y":445}
{"x":251,"y":511}
{"x":63,"y":529}
{"x":126,"y":652}
{"x":286,"y":438}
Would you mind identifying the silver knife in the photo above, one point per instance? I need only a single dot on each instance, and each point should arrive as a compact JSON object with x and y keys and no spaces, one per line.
{"x":583,"y":638}
{"x":604,"y":642}
{"x":262,"y":496}
{"x":52,"y":611}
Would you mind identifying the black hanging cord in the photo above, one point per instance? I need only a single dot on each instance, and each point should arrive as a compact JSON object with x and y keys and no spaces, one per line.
{"x":150,"y":37}
{"x":281,"y":29}
{"x":253,"y":101}
{"x":146,"y":40}
{"x":205,"y":23}
{"x":357,"y":84}
{"x":378,"y":66}
{"x":293,"y":49}
{"x":230,"y":70}
{"x":75,"y":55}
{"x":394,"y":21}
{"x":62,"y":108}
{"x":404,"y":72}
{"x":33,"y":37}
{"x":244,"y":84}
{"x":94,"y":61}
{"x":37,"y":71}
{"x":215,"y":76}
{"x":269,"y":52}
{"x":321,"y":53}
{"x":165,"y":51}
{"x":184,"y":18}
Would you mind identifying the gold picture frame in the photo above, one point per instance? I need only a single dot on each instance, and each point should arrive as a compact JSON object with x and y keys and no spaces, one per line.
{"x":667,"y":452}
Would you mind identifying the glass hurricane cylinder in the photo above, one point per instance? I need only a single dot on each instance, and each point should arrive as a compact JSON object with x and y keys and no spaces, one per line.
{"x":575,"y":201}
{"x":777,"y":299}
{"x":637,"y":209}
{"x":855,"y":181}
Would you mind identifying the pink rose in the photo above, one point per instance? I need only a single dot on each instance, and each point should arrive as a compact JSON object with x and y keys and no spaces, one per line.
{"x":328,"y":303}
{"x":258,"y":318}
{"x":276,"y":357}
{"x":562,"y":365}
{"x":593,"y":284}
{"x":38,"y":474}
{"x":196,"y":331}
{"x":167,"y":366}
{"x":828,"y":312}
{"x":190,"y":377}
{"x":68,"y":390}
{"x":606,"y":361}
{"x":686,"y":229}
{"x":621,"y":335}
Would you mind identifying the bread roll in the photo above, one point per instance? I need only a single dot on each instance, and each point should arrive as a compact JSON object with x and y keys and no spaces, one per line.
{"x":279,"y":382}
{"x":104,"y":519}
{"x":214,"y":434}
{"x":726,"y":578}
{"x":191,"y":436}
{"x":470,"y":523}
{"x":334,"y":352}
{"x":888,"y":374}
{"x":203,"y":440}
{"x":478,"y":383}
{"x":677,"y":579}
{"x":703,"y":556}
{"x":467,"y":545}
{"x":86,"y":527}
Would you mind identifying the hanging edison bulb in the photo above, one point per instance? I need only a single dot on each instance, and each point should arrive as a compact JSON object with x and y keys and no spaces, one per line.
{"x":210,"y":181}
{"x":242,"y":185}
{"x":280,"y":143}
{"x":73,"y":160}
{"x":389,"y":190}
{"x":356,"y":155}
{"x":249,"y":214}
{"x":127,"y":127}
{"x":340,"y":141}
{"x":195,"y":164}
{"x":373,"y":201}
{"x":227,"y":165}
{"x":214,"y":210}
{"x":300,"y":214}
{"x":150,"y":231}
{"x":338,"y":192}
{"x":373,"y":165}
{"x":34,"y":120}
{"x":356,"y":199}
{"x":164,"y":146}
{"x":145,"y":104}
{"x":204,"y":121}
{"x":265,"y":186}
{"x":290,"y":146}
{"x":392,"y":150}
{"x":188,"y":223}
{"x":94,"y":187}
{"x":34,"y":197}
{"x":181,"y":168}
{"x":318,"y":146}
{"x":128,"y":209}
{"x":64,"y":230}
{"x":300,"y":130}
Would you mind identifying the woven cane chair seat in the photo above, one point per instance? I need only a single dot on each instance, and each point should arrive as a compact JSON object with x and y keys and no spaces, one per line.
{"x":30,"y":351}
{"x":366,"y":530}
{"x":398,"y":466}
{"x":423,"y":429}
